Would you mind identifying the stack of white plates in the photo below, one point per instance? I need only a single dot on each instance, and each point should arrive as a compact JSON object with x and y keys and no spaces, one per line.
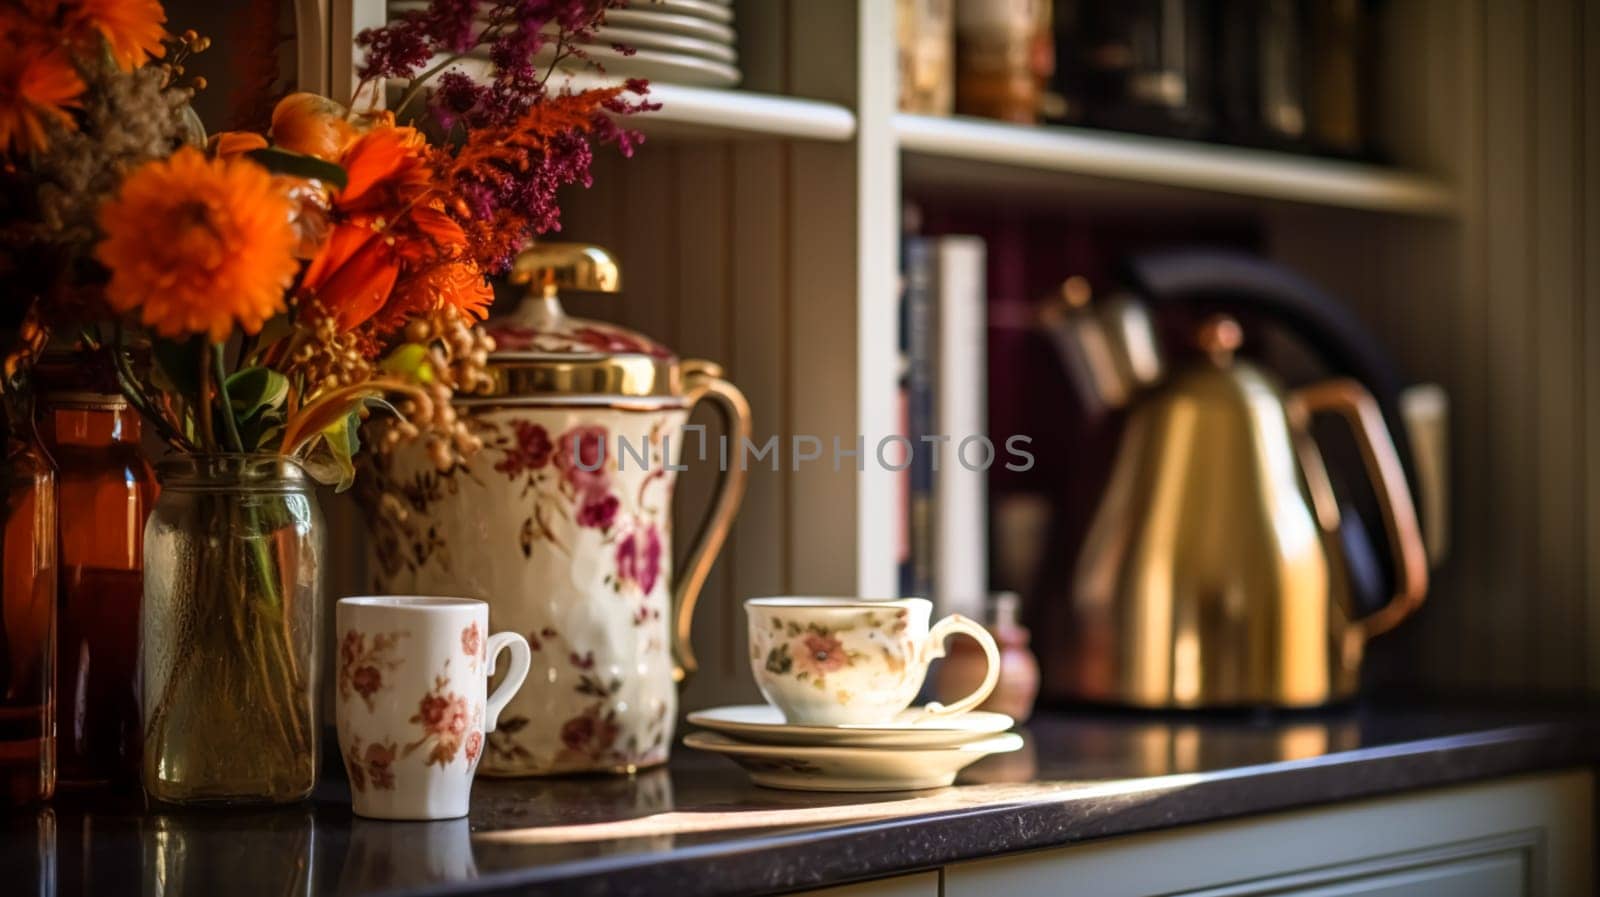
{"x":911,"y":752}
{"x":679,"y":41}
{"x":674,"y":41}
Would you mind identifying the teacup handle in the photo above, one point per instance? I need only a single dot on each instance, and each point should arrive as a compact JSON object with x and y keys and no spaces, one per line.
{"x":521,"y":660}
{"x":953,"y":625}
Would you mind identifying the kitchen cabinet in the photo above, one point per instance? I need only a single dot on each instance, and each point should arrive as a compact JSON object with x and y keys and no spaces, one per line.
{"x":1529,"y":835}
{"x":923,"y":884}
{"x":1497,"y":875}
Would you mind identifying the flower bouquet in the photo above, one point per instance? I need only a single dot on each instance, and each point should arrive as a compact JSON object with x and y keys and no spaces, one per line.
{"x":256,"y":296}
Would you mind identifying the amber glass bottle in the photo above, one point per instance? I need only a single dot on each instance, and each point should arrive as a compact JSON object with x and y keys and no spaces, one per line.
{"x":27,"y":620}
{"x":105,"y":488}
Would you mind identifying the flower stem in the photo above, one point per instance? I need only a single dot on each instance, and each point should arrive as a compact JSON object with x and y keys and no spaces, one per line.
{"x":208,"y":432}
{"x":228,"y":422}
{"x":415,"y":87}
{"x":134,"y":392}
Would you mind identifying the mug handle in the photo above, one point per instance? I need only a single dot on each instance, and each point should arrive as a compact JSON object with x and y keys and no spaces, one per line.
{"x":521,"y":660}
{"x":934,"y":646}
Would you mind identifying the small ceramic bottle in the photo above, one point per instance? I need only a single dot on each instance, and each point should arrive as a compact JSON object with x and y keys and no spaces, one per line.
{"x":963,"y":665}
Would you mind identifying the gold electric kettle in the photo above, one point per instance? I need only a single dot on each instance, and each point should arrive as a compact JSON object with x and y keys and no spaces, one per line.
{"x":1213,"y":573}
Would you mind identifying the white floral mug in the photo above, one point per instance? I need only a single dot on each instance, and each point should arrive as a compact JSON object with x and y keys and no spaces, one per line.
{"x":412,"y":708}
{"x":854,"y":661}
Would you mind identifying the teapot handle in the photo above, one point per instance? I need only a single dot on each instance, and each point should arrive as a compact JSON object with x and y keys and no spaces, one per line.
{"x":703,"y":380}
{"x":1352,"y":403}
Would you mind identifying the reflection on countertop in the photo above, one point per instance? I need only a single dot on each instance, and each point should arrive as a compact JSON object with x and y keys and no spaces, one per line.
{"x":699,"y":828}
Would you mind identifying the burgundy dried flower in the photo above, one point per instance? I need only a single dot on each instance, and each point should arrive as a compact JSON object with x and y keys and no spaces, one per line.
{"x":393,"y":51}
{"x":521,"y":143}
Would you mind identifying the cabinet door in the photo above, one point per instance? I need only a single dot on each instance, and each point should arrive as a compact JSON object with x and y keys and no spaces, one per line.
{"x":1536,"y":830}
{"x":1503,"y":874}
{"x":922,"y":884}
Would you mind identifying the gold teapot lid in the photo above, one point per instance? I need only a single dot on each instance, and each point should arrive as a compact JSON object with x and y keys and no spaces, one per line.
{"x":544,"y":356}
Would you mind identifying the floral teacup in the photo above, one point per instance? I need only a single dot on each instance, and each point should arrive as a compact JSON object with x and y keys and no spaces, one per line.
{"x":854,"y":661}
{"x":411,"y":706}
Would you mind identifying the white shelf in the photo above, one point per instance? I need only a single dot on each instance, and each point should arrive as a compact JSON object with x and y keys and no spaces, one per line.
{"x":1163,"y":163}
{"x":705,"y":112}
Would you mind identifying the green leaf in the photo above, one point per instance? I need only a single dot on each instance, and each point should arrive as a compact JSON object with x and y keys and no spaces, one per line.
{"x":178,"y":364}
{"x":254,"y":390}
{"x":332,"y":461}
{"x":263,"y":432}
{"x":409,"y":360}
{"x":281,"y":161}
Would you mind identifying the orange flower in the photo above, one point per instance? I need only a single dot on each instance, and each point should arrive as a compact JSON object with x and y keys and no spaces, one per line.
{"x":456,"y":283}
{"x":312,"y":124}
{"x":36,"y":84}
{"x":226,"y":144}
{"x":461,"y":285}
{"x":388,"y":218}
{"x":353,"y":275}
{"x":308,"y":198}
{"x":131,"y":28}
{"x":196,"y":245}
{"x":385,"y":169}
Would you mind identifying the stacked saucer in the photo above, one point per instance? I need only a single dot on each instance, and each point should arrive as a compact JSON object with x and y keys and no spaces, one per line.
{"x":677,"y":41}
{"x":673,"y":41}
{"x":913,"y":750}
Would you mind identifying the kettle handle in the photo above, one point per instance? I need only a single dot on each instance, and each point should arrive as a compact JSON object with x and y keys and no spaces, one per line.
{"x":1351,"y":402}
{"x":1243,"y":282}
{"x":702,"y":380}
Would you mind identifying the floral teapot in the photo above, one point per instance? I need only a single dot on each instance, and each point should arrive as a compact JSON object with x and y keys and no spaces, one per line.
{"x":563,"y":522}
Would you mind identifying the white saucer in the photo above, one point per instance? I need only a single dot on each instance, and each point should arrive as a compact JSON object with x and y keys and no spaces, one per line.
{"x":851,"y":769}
{"x":715,"y":10}
{"x":764,"y":724}
{"x":674,"y":68}
{"x":645,"y":39}
{"x":690,"y":26}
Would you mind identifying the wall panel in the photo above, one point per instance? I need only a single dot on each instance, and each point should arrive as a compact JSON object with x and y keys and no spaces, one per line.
{"x":1502,"y":307}
{"x":1517,"y":606}
{"x":1587,"y":186}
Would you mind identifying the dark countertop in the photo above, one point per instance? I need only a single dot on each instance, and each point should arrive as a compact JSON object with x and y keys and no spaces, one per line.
{"x":698,"y":828}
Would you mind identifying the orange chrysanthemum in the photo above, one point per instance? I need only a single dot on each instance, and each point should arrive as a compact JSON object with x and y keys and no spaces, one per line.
{"x":36,"y":84}
{"x":196,"y":245}
{"x":131,"y":28}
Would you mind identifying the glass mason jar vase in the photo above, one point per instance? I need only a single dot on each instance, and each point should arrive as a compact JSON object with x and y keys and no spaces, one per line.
{"x":229,"y":631}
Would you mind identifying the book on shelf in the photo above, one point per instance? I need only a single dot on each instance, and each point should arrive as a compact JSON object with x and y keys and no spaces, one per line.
{"x":916,"y":573}
{"x":945,"y":333}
